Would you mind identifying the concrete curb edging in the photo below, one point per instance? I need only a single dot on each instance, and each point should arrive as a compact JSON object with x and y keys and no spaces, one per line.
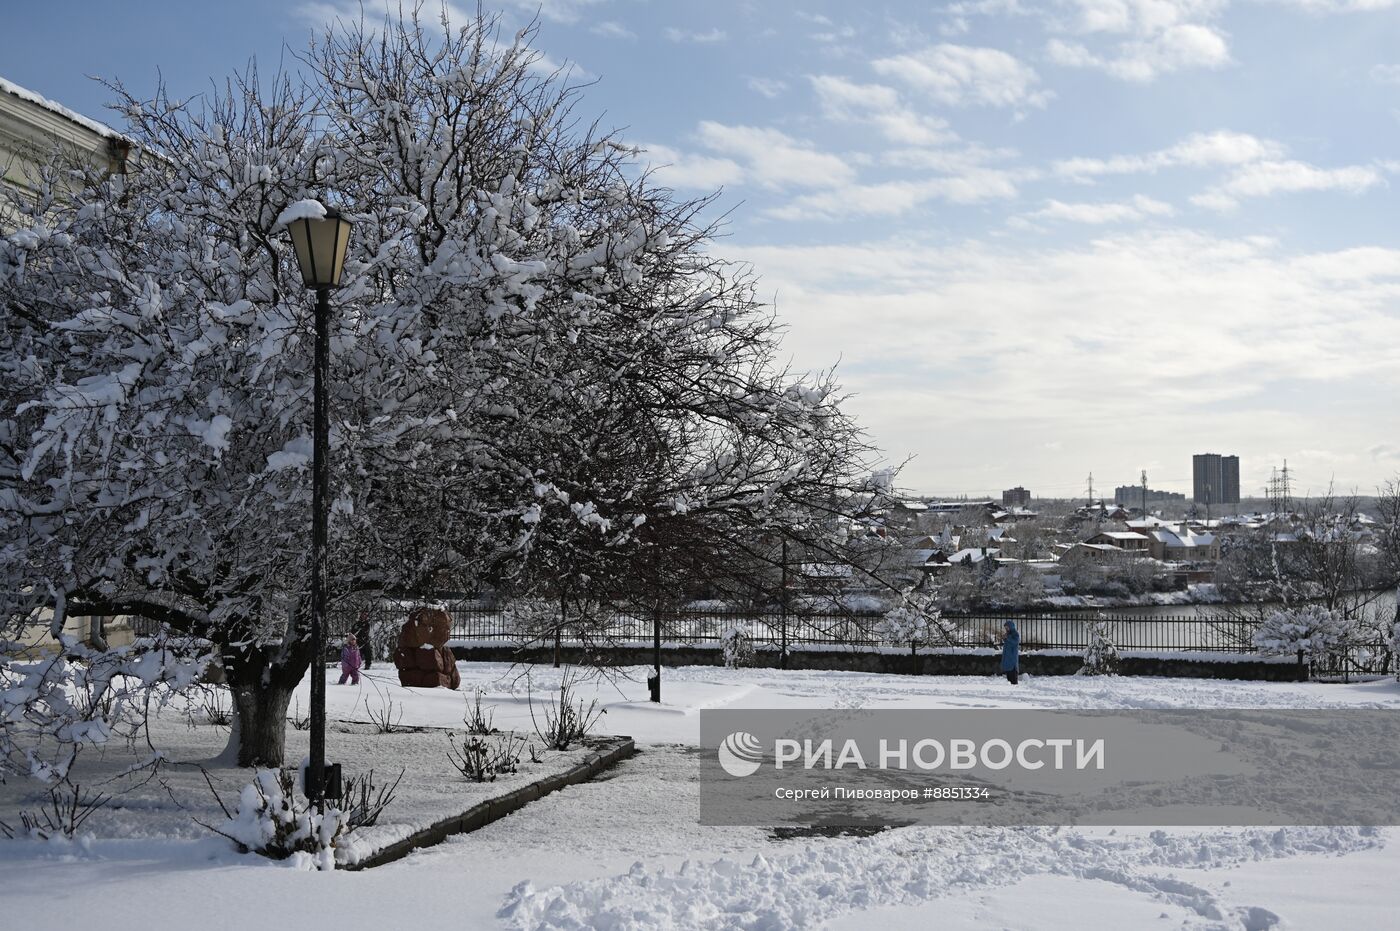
{"x":613,"y":751}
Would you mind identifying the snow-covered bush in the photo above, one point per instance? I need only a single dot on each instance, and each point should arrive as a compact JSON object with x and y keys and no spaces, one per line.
{"x":915,"y":623}
{"x":1101,"y":655}
{"x":278,"y":822}
{"x":737,"y":646}
{"x":1312,"y":630}
{"x":1395,"y":638}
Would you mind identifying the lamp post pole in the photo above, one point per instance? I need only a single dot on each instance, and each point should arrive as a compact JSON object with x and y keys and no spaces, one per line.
{"x":320,"y":509}
{"x":320,"y":236}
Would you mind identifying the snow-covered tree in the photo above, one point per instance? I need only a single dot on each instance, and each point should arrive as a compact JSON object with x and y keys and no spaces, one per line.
{"x":915,"y":621}
{"x":737,"y":646}
{"x":1312,"y":629}
{"x":1101,"y":655}
{"x":535,"y":357}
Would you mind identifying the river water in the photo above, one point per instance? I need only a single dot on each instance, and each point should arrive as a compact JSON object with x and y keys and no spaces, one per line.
{"x":1384,"y":603}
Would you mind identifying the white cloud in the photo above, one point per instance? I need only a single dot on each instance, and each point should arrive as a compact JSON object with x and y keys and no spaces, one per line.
{"x":959,"y":160}
{"x":894,"y":198}
{"x":772,"y":88}
{"x":321,"y":13}
{"x":1262,"y":179}
{"x":1143,"y":60}
{"x":1139,"y":208}
{"x":1137,"y":17}
{"x":699,"y":38}
{"x":561,"y":11}
{"x":370,"y":15}
{"x":879,"y":105}
{"x":960,"y":75}
{"x":972,"y":346}
{"x":1139,"y":40}
{"x":677,"y":169}
{"x":612,"y":30}
{"x":1385,"y":74}
{"x":1258,"y":168}
{"x":1198,"y":150}
{"x":1339,"y":6}
{"x":774,"y":159}
{"x":832,"y":36}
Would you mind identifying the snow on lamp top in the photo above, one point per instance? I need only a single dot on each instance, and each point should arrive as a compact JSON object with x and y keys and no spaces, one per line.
{"x":320,"y":236}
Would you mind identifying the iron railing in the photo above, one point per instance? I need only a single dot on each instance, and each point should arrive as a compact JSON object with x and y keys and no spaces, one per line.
{"x":1051,"y":630}
{"x":1059,"y":630}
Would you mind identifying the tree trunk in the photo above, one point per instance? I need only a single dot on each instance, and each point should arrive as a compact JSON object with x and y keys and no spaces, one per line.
{"x":262,"y":679}
{"x":261,"y":728}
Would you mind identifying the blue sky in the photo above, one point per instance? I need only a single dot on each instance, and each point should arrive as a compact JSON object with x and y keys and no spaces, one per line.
{"x":1042,"y":239}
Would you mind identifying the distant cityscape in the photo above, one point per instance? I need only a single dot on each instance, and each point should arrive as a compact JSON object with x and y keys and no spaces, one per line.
{"x":1215,"y":480}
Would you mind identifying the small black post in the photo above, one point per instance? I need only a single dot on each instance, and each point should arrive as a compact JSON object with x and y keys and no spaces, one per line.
{"x":654,"y":680}
{"x":563,"y":607}
{"x":783,"y":612}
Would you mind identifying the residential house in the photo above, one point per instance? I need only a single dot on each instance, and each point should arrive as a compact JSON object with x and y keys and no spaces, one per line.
{"x":1127,"y":540}
{"x":1183,"y":545}
{"x":1093,"y":554}
{"x":973,"y":555}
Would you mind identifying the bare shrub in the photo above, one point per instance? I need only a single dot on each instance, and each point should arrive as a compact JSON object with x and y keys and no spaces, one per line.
{"x":364,"y":801}
{"x":565,"y":720}
{"x":384,"y":714}
{"x":478,"y":719}
{"x":482,"y":759}
{"x":217,"y":707}
{"x":210,"y":704}
{"x":69,"y":805}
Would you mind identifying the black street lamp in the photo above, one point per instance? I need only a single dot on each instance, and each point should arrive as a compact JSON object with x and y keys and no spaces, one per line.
{"x":320,"y":245}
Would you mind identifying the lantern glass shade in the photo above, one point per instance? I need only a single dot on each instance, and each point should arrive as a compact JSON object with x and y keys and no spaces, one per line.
{"x":320,"y":246}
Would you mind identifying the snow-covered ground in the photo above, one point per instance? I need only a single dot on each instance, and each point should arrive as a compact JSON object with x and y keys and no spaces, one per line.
{"x":626,"y":851}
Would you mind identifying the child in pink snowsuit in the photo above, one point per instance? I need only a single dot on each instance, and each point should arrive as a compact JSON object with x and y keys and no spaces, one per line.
{"x":350,"y":661}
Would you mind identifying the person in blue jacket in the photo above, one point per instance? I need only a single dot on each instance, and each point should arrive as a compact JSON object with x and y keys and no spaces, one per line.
{"x":1011,"y":653}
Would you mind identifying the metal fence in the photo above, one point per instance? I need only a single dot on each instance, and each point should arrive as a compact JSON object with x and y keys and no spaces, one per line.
{"x":1060,"y":630}
{"x":1053,"y":630}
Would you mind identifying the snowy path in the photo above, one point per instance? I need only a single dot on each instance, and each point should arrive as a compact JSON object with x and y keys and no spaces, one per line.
{"x":578,"y":850}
